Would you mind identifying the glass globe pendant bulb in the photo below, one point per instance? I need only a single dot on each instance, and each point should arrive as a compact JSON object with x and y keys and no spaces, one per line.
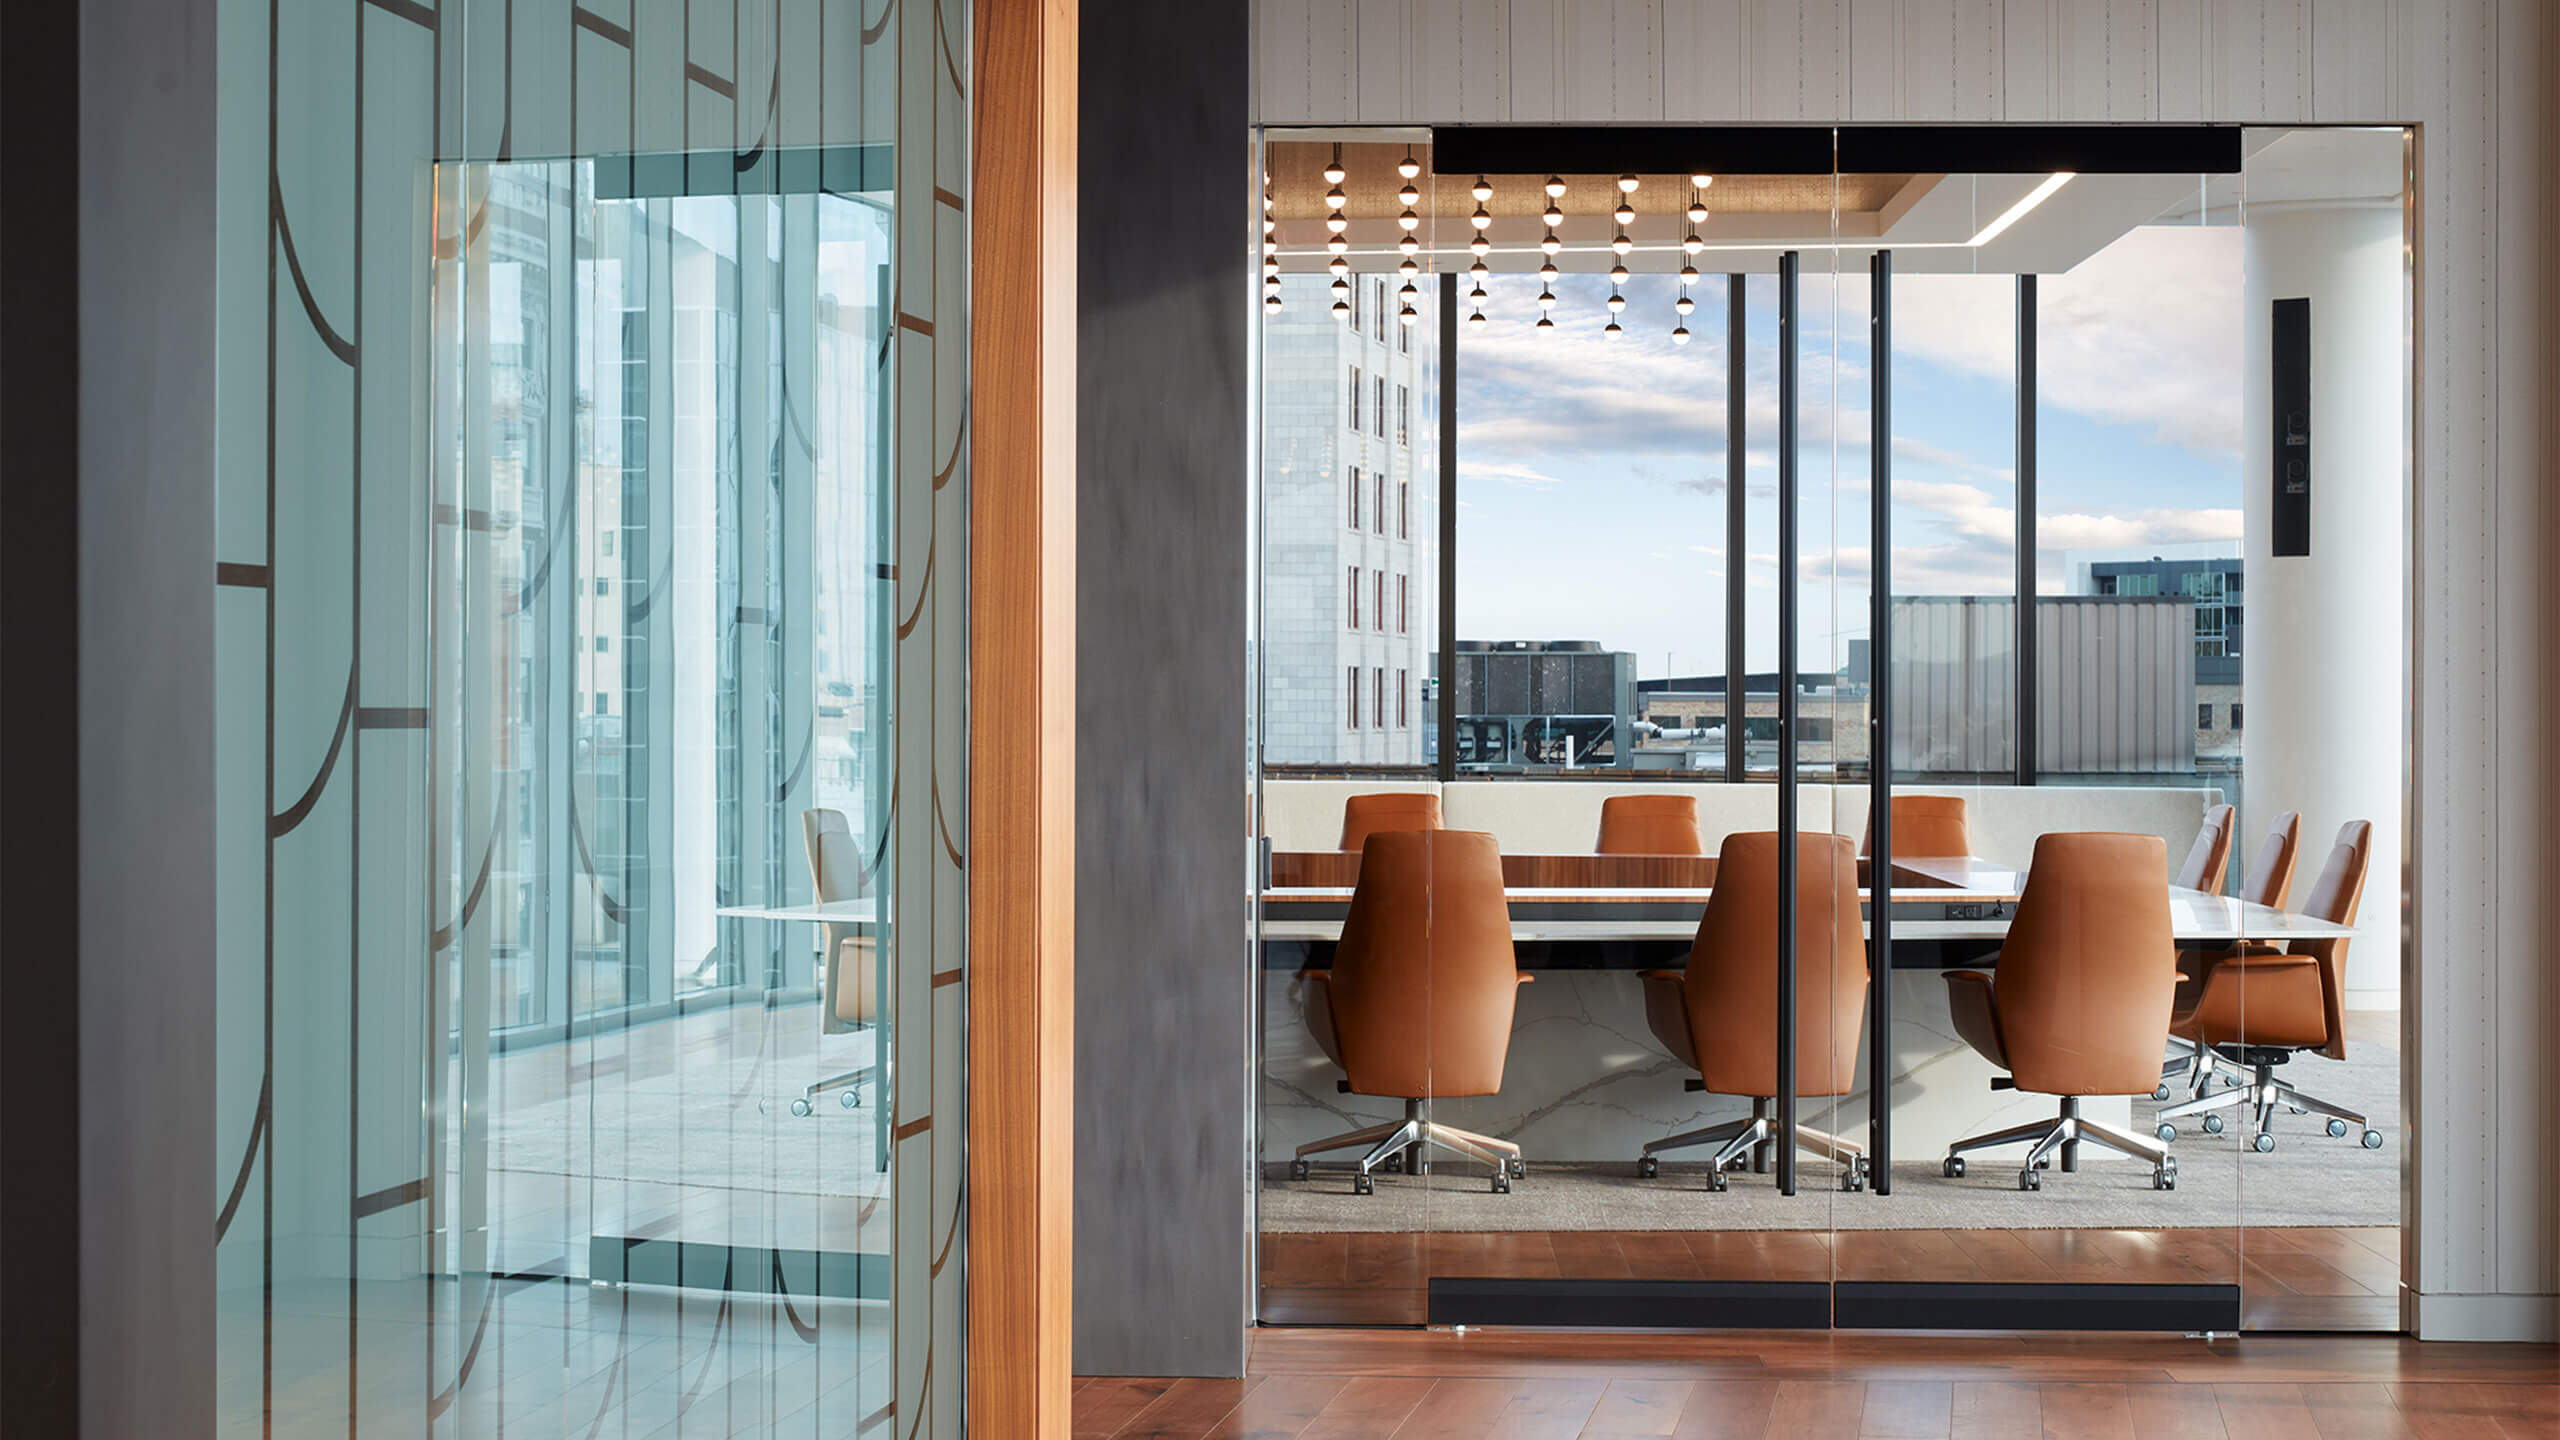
{"x":1555,"y":187}
{"x":1339,"y":266}
{"x":1621,"y":243}
{"x":1408,"y":196}
{"x":1407,"y":245}
{"x":1546,"y":325}
{"x":1626,"y":213}
{"x":1479,"y":246}
{"x":1340,"y":287}
{"x":1407,"y":268}
{"x":1341,"y":307}
{"x":1688,"y":274}
{"x":1407,"y":292}
{"x":1551,"y":244}
{"x":1408,"y":167}
{"x":1270,"y":226}
{"x":1617,"y":302}
{"x":1477,"y":294}
{"x":1409,"y":220}
{"x":1679,"y":334}
{"x":1336,"y":244}
{"x":1618,"y":274}
{"x":1684,"y":304}
{"x":1333,"y":172}
{"x":1626,"y":184}
{"x":1481,"y":191}
{"x":1334,"y":199}
{"x":1613,"y":330}
{"x":1554,"y":217}
{"x":1407,"y":315}
{"x":1701,"y":181}
{"x":1697,"y":213}
{"x":1476,"y":319}
{"x":1337,"y":222}
{"x":1478,"y":271}
{"x":1693,"y":244}
{"x":1271,"y":301}
{"x":1546,"y":299}
{"x":1481,"y":219}
{"x":1548,"y":272}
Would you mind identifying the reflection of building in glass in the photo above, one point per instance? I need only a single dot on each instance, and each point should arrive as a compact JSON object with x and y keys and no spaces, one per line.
{"x":1350,"y":525}
{"x":2212,"y":583}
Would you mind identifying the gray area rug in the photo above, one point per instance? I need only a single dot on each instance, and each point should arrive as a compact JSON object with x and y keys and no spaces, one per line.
{"x":2309,"y":1179}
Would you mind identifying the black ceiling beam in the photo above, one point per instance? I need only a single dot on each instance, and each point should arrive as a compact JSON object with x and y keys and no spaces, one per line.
{"x":1808,"y":149}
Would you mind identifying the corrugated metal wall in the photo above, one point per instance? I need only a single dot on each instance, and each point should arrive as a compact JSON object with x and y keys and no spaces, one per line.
{"x":2115,"y":694}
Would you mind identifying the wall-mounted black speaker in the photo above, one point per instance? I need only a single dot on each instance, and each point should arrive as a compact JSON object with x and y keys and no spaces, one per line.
{"x":2291,"y":422}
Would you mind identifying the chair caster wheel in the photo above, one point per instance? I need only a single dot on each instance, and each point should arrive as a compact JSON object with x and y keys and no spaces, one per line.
{"x":1854,"y":1179}
{"x":2213,"y":1124}
{"x":2262,"y":1142}
{"x":800,"y":1108}
{"x":2030,"y":1179}
{"x":1716,"y":1181}
{"x":1297,"y":1169}
{"x":2166,"y":1177}
{"x":1519,"y":1168}
{"x":853,"y":1099}
{"x":1648,"y":1167}
{"x":2372,"y":1140}
{"x":1394,"y":1164}
{"x":1501,"y":1181}
{"x":2337,"y":1128}
{"x":2161,"y":1091}
{"x":1954,"y":1168}
{"x":1363,"y":1185}
{"x":2166,"y":1131}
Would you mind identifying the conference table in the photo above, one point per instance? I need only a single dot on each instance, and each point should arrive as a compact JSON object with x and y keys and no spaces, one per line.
{"x":1589,"y":914}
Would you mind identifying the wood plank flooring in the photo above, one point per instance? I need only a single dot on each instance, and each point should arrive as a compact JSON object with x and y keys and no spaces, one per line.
{"x":2291,"y":1279}
{"x":1412,"y":1385}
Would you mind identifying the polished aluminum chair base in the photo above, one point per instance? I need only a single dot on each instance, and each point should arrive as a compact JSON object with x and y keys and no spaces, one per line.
{"x":2063,"y":1135}
{"x":2263,"y":1092}
{"x":1401,"y":1143}
{"x":1737,"y":1141}
{"x":850,"y":1082}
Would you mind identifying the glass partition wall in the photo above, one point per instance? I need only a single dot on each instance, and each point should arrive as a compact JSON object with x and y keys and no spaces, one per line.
{"x":591,"y":728}
{"x":1737,"y":556}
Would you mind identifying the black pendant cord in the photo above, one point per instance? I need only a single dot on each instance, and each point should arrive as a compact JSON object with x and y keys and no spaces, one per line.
{"x":1787,"y":818}
{"x":1880,"y":727}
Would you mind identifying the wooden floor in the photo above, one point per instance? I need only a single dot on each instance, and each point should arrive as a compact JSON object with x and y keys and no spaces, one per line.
{"x":1413,"y":1385}
{"x":2290,"y":1279}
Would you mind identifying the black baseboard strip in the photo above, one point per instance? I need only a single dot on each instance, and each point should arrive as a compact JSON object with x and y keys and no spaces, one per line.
{"x":1632,"y":1304}
{"x":1914,"y":1305}
{"x":739,"y":1269}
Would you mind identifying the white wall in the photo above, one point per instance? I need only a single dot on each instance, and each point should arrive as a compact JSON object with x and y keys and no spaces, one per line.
{"x":2483,"y":1159}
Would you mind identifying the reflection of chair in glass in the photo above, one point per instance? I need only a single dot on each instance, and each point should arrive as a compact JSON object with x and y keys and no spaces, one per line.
{"x":1418,"y":1003}
{"x":2082,"y":1004}
{"x":2269,"y":883}
{"x":848,"y":971}
{"x":2210,"y":856}
{"x":1720,"y":1015}
{"x":2262,"y":1006}
{"x":1932,"y":825}
{"x":1366,"y":815}
{"x":1650,"y":825}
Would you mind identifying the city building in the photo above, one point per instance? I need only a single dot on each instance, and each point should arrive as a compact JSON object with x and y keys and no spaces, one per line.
{"x":1350,"y":523}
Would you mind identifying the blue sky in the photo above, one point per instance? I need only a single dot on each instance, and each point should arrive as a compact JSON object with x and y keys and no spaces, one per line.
{"x":1591,"y":471}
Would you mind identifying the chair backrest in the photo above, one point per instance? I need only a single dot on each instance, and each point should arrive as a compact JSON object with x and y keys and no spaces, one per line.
{"x":1924,"y":825}
{"x":2334,"y":897}
{"x":2086,"y":974}
{"x":1650,"y":825}
{"x":2210,"y":856}
{"x":836,"y":872}
{"x":2270,"y":878}
{"x":1733,"y":968}
{"x":1424,"y":980}
{"x":1367,"y":815}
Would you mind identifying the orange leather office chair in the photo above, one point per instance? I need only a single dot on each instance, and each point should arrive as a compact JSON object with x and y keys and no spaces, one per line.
{"x":1923,"y":825}
{"x":848,"y":970}
{"x":1418,"y":1003}
{"x":1366,"y":815}
{"x":1650,"y":825}
{"x":1720,"y":1015}
{"x":2269,"y":883}
{"x":2082,"y":1002}
{"x":2210,"y":856}
{"x":2261,"y":1007}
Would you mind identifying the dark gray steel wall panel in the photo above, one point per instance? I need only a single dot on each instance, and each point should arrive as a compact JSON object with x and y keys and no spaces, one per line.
{"x":1163,"y":996}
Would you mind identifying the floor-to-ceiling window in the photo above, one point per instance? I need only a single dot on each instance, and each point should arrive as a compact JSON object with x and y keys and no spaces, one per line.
{"x":593,"y":475}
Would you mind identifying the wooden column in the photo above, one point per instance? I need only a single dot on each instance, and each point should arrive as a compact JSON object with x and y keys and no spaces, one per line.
{"x":1022,"y":638}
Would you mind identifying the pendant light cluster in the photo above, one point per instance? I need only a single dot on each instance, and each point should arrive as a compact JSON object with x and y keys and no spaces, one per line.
{"x":1480,"y":245}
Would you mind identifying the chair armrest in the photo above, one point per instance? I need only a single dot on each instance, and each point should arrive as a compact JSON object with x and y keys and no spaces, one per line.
{"x":1976,"y":1017}
{"x":1524,"y":977}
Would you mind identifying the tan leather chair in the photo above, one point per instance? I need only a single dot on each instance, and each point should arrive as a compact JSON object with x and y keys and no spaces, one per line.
{"x":2081,"y":1006}
{"x":1366,"y":815}
{"x":2263,"y":1006}
{"x":1418,"y":1002}
{"x":2210,"y":856}
{"x":1924,"y":825}
{"x":1720,"y":1014}
{"x":1650,"y":825}
{"x":2269,"y":883}
{"x":848,"y":967}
